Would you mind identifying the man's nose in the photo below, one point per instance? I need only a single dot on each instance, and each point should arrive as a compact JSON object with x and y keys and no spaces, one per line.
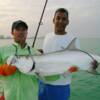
{"x":61,"y":21}
{"x":21,"y":33}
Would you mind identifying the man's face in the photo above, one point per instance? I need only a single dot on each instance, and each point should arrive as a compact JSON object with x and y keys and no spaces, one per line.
{"x":60,"y":21}
{"x":19,"y":35}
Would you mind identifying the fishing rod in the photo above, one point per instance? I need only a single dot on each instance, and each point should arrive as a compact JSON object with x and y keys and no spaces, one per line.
{"x":39,"y":23}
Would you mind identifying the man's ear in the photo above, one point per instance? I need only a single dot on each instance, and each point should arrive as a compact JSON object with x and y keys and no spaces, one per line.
{"x":68,"y":22}
{"x":12,"y":33}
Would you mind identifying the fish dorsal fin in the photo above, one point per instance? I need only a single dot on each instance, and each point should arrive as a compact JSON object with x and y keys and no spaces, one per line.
{"x":72,"y":44}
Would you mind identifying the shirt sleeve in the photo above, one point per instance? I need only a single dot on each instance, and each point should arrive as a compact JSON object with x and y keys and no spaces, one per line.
{"x":35,"y":51}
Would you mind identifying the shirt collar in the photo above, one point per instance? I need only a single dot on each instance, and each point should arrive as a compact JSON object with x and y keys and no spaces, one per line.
{"x":18,"y":46}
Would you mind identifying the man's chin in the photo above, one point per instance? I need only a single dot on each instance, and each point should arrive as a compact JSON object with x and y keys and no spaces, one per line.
{"x":60,"y":31}
{"x":60,"y":28}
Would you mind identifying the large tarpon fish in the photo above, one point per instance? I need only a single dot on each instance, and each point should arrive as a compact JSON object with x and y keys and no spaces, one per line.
{"x":56,"y":62}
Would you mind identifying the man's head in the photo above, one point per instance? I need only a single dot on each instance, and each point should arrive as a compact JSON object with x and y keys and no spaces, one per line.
{"x":60,"y":20}
{"x":19,"y":31}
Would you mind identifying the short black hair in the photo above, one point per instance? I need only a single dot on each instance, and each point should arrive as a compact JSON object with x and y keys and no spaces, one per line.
{"x":63,"y":10}
{"x":19,"y":23}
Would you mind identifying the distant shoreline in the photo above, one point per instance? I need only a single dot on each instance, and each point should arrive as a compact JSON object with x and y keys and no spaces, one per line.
{"x":27,"y":38}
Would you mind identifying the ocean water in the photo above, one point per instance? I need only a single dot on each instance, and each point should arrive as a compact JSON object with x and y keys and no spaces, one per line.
{"x":84,"y":86}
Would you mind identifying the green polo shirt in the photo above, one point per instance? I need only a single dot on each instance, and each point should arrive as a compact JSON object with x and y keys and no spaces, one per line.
{"x":18,"y":86}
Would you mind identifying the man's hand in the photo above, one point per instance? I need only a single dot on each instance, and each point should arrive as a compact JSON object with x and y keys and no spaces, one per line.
{"x":7,"y":70}
{"x":40,"y":50}
{"x":95,"y":64}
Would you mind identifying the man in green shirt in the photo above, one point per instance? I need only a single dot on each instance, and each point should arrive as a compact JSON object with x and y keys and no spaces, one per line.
{"x":18,"y":86}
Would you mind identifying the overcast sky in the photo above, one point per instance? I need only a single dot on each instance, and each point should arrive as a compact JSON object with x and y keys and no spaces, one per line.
{"x":84,"y":16}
